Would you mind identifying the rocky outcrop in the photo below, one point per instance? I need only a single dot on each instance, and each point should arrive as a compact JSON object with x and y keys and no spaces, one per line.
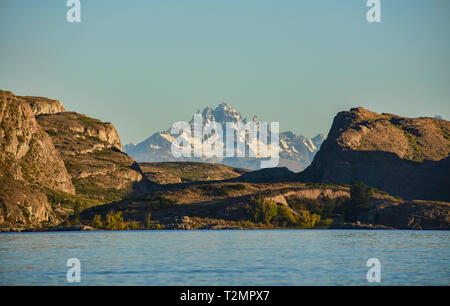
{"x":27,"y":152}
{"x":22,"y":205}
{"x":29,"y":163}
{"x":41,"y":105}
{"x":52,"y":160}
{"x":415,"y":215}
{"x":79,"y":134}
{"x":403,"y":156}
{"x":91,"y":150}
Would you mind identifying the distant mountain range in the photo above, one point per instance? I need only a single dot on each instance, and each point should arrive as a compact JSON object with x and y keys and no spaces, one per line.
{"x":62,"y":170}
{"x":296,"y":152}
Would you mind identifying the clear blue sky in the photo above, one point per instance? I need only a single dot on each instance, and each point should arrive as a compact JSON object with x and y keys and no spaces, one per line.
{"x":145,"y":64}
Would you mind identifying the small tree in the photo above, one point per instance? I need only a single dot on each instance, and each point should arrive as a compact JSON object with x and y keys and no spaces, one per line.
{"x":262,"y":210}
{"x":285,"y":216}
{"x":97,"y":222}
{"x":147,"y":221}
{"x":133,"y":225}
{"x":308,"y":220}
{"x":114,"y":221}
{"x":76,"y":213}
{"x":360,"y":196}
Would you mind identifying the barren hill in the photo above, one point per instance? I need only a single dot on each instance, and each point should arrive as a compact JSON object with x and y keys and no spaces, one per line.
{"x":53,"y":161}
{"x":183,"y":172}
{"x":29,"y":162}
{"x":91,"y":150}
{"x":408,"y":157}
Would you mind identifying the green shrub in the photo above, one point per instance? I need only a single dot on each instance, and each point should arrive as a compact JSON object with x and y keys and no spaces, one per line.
{"x":161,"y":202}
{"x":114,"y":221}
{"x":97,"y":222}
{"x":215,"y":190}
{"x":285,"y":217}
{"x":326,"y":207}
{"x":76,"y":213}
{"x":262,"y":210}
{"x":70,"y":200}
{"x":133,"y":225}
{"x":147,"y":221}
{"x":51,"y":132}
{"x":325,"y":223}
{"x":308,"y":220}
{"x":237,"y":187}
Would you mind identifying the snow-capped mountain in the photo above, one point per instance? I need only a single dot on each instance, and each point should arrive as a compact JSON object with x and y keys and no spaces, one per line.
{"x":296,"y":152}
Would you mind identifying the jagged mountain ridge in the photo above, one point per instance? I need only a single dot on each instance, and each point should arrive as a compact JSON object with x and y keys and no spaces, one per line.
{"x":296,"y":152}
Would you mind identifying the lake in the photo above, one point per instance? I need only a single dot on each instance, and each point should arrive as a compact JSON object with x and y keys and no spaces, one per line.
{"x":249,"y":257}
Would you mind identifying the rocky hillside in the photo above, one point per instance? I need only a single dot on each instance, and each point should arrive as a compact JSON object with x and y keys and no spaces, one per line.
{"x":226,"y":205}
{"x":54,"y":162}
{"x":296,"y":152}
{"x":407,"y":157}
{"x":185,"y":172}
{"x":41,"y":105}
{"x":30,"y":163}
{"x":91,"y":150}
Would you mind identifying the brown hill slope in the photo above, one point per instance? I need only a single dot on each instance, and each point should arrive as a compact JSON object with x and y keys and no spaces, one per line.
{"x":54,"y":162}
{"x":182,"y":172}
{"x":28,"y":162}
{"x":403,"y":156}
{"x":91,"y":150}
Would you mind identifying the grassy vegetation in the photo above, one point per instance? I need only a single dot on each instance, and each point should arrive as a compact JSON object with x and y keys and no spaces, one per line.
{"x":260,"y":212}
{"x":52,"y":132}
{"x":168,"y":172}
{"x":417,"y":154}
{"x":268,"y":212}
{"x":325,"y":207}
{"x":322,"y":185}
{"x":214,"y":190}
{"x":69,"y":200}
{"x":221,"y":190}
{"x":89,"y":122}
{"x":445,"y":134}
{"x":160,"y":202}
{"x":236,"y":187}
{"x":88,"y":188}
{"x":328,"y":209}
{"x":114,"y":221}
{"x":157,"y":201}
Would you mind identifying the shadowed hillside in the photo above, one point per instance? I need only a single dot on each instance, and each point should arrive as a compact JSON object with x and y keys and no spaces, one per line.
{"x":403,"y":156}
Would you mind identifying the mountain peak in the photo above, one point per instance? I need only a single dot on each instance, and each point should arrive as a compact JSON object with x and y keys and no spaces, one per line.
{"x":296,"y":152}
{"x":222,"y":113}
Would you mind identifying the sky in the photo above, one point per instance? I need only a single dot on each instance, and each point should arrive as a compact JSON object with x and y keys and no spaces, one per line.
{"x":144,"y":65}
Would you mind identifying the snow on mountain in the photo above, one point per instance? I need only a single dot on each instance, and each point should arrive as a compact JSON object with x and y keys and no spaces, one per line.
{"x":296,"y":152}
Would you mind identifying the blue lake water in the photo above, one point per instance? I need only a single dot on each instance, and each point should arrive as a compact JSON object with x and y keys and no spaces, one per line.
{"x":262,"y":257}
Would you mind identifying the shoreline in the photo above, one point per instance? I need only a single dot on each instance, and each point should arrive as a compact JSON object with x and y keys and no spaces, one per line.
{"x":86,"y":228}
